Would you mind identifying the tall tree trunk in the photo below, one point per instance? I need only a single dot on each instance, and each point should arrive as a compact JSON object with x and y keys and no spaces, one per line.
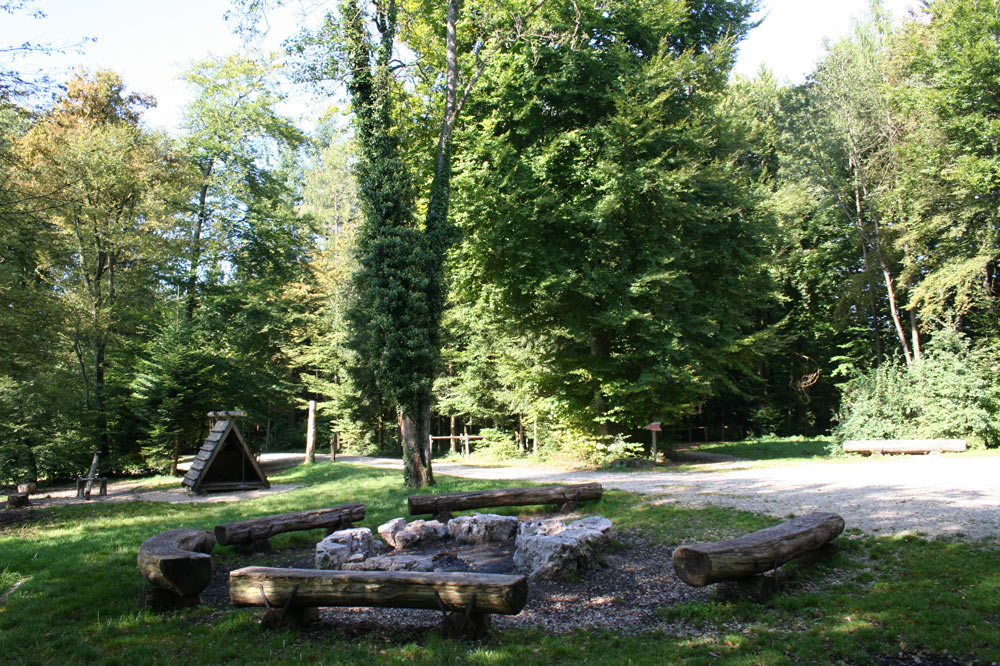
{"x":100,"y":407}
{"x":199,"y":223}
{"x":860,"y":188}
{"x":521,"y":446}
{"x":452,"y":432}
{"x":415,"y":430}
{"x":175,"y":455}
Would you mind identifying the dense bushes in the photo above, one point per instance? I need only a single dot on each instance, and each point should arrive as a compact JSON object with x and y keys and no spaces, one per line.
{"x":953,"y":391}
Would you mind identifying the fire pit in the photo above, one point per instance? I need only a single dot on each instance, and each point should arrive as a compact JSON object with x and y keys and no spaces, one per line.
{"x":483,"y":543}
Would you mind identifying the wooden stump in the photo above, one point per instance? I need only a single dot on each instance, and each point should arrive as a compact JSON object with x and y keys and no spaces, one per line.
{"x":755,"y":553}
{"x":178,"y":566}
{"x":17,"y":500}
{"x":26,"y":487}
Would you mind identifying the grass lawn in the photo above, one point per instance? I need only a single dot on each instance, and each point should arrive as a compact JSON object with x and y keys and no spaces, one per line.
{"x":78,"y":594}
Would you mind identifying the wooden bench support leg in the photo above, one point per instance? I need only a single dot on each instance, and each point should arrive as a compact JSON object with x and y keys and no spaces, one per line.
{"x":467,"y":624}
{"x":159,"y":600}
{"x":253,"y":546}
{"x":758,"y":588}
{"x":442,"y":516}
{"x":288,"y":616}
{"x":327,"y":531}
{"x":569,"y":507}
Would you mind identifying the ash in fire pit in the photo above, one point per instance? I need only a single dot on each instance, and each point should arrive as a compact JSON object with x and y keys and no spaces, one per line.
{"x":483,"y":543}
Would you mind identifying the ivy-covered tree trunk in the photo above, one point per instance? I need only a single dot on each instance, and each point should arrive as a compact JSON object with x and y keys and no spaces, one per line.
{"x":415,"y":429}
{"x":395,"y":325}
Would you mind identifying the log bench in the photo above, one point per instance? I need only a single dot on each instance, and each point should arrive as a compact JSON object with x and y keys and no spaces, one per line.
{"x":252,"y":535}
{"x":81,"y":486}
{"x":566,"y":497}
{"x":177,"y":565}
{"x":904,"y":445}
{"x":292,"y":596}
{"x":744,"y":558}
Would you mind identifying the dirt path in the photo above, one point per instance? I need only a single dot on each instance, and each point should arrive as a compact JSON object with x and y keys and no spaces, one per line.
{"x":926,"y":495}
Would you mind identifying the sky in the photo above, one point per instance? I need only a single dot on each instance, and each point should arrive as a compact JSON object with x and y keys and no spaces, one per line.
{"x":150,"y":42}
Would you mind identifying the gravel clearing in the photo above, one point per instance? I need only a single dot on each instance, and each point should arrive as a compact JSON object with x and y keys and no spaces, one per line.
{"x":931,"y":496}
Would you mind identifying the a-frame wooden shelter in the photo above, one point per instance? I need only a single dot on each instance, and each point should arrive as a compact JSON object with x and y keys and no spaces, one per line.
{"x":224,"y":462}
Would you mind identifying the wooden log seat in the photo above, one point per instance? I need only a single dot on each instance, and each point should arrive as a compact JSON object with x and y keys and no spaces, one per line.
{"x":757,"y":552}
{"x":465,"y":599}
{"x":17,"y":500}
{"x":178,"y":565}
{"x":904,"y":445}
{"x":441,"y":505}
{"x":252,"y":535}
{"x":81,"y":486}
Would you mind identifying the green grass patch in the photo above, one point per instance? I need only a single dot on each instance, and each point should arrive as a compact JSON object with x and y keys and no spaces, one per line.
{"x":772,"y":448}
{"x":877,"y":596}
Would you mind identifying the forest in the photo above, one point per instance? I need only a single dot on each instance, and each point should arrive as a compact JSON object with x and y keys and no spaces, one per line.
{"x":547,"y":222}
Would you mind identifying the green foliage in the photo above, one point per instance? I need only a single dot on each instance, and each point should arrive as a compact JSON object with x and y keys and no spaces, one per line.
{"x":170,"y":391}
{"x":594,"y":193}
{"x":952,"y":392}
{"x":497,"y":445}
{"x":770,"y":447}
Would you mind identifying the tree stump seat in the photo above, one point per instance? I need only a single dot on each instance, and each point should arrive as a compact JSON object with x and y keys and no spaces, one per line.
{"x":567,"y":497}
{"x":252,"y":535}
{"x":178,"y":565}
{"x":17,"y":500}
{"x":293,"y":596}
{"x":749,"y":556}
{"x":81,"y":485}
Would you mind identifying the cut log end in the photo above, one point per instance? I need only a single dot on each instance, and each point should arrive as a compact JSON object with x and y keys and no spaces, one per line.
{"x":178,"y":561}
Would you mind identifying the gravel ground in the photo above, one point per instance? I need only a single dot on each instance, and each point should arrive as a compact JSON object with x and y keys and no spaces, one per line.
{"x":927,"y":495}
{"x":931,"y":496}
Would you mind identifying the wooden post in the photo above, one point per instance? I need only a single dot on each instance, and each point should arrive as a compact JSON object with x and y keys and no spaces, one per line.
{"x":465,"y":443}
{"x":654,"y":447}
{"x":90,"y":477}
{"x":311,"y":434}
{"x":430,"y":445}
{"x":534,"y":439}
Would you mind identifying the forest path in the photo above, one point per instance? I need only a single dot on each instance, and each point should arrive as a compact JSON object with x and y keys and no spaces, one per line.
{"x":924,"y":495}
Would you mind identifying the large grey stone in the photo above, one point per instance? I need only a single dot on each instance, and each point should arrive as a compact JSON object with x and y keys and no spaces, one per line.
{"x":420,"y":533}
{"x":481,"y":528}
{"x":389,"y":530}
{"x":392,"y":563}
{"x":552,"y":549}
{"x":346,"y":545}
{"x":599,"y":523}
